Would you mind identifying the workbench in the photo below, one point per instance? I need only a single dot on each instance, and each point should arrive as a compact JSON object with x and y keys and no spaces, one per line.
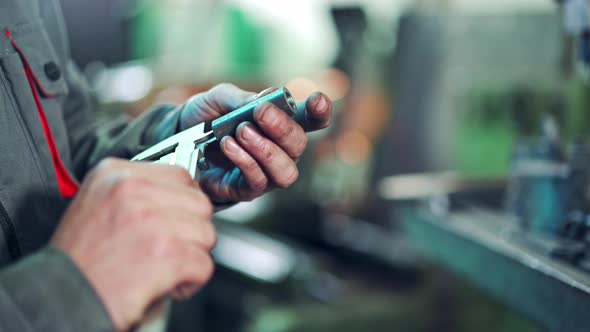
{"x":482,"y":247}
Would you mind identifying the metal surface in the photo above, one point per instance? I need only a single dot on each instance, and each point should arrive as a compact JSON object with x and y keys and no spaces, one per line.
{"x":482,"y":247}
{"x":183,"y":149}
{"x":253,"y":254}
{"x":227,"y":124}
{"x":426,"y":185}
{"x":187,"y":148}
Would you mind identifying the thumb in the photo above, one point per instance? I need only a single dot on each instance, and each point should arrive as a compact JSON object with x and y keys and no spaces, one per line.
{"x":212,"y":104}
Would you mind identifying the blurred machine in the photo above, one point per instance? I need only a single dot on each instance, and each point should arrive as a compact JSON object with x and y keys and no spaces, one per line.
{"x":550,"y":173}
{"x":99,"y":30}
{"x":518,"y":111}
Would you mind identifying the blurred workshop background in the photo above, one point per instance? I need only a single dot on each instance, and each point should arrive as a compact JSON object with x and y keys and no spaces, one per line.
{"x":451,"y":192}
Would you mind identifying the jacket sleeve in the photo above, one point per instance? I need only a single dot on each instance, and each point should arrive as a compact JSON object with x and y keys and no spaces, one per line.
{"x":47,"y":292}
{"x":91,"y":142}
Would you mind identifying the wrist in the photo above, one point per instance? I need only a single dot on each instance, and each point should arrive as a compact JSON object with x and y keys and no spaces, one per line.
{"x":96,"y":283}
{"x":66,"y":297}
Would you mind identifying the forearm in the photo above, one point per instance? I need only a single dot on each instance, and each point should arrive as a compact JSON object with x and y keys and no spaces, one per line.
{"x":122,"y":139}
{"x":47,"y":292}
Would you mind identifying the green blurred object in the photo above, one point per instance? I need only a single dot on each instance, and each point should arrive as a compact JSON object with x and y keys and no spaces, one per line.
{"x":578,"y":116}
{"x":146,"y":29}
{"x":484,"y":137}
{"x":245,"y":44}
{"x":497,"y":118}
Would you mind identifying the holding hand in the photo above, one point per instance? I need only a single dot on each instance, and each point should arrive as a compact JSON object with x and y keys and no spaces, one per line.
{"x":261,"y":157}
{"x":139,"y":232}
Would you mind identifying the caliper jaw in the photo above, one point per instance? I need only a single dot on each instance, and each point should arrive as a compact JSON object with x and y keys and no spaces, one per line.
{"x":185,"y":149}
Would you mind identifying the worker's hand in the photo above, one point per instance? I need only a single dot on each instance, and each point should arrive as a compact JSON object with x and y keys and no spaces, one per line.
{"x":257,"y":160}
{"x":139,"y":232}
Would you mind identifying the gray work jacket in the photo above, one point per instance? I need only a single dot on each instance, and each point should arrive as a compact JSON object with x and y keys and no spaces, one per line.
{"x":40,"y":288}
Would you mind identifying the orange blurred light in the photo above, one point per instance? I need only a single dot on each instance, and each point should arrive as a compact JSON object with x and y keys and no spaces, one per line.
{"x":302,"y":87}
{"x":335,"y":83}
{"x":353,"y":148}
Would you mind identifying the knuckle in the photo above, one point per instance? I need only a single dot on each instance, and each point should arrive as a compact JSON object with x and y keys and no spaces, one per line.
{"x":266,"y":153}
{"x":210,"y":269}
{"x":124,"y":188}
{"x":229,"y":192}
{"x":288,"y":180}
{"x":251,"y":167}
{"x":209,"y":236}
{"x":108,"y":163}
{"x":181,"y":174}
{"x":208,"y":210}
{"x":257,"y":180}
{"x":195,"y":102}
{"x":259,"y":184}
{"x":105,"y":167}
{"x":286,"y":131}
{"x":166,"y":247}
{"x":225,"y":190}
{"x":201,"y":268}
{"x":207,"y":268}
{"x":300,"y":149}
{"x":133,"y":215}
{"x":223,"y":87}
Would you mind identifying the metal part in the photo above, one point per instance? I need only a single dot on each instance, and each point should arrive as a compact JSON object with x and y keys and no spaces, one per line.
{"x":227,"y":124}
{"x":253,"y":254}
{"x":202,"y":164}
{"x":187,"y":148}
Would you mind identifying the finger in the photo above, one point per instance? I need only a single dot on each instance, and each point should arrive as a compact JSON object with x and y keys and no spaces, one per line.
{"x":172,"y":197}
{"x":189,"y":228}
{"x":135,"y":195}
{"x":230,"y":187}
{"x":316,"y":113}
{"x":212,"y":104}
{"x":185,"y":291}
{"x":281,"y":129}
{"x":177,"y":225}
{"x":184,"y":264}
{"x":216,"y":102}
{"x":193,"y":270}
{"x":276,"y":163}
{"x":228,"y":97}
{"x":251,"y":171}
{"x":154,"y":172}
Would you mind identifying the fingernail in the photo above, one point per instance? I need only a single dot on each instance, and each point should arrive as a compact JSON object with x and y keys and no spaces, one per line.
{"x":268,"y":116}
{"x":229,"y":144}
{"x":321,"y":104}
{"x":248,"y":133}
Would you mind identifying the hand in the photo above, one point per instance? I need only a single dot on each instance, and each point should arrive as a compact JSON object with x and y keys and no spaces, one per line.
{"x":258,"y":159}
{"x":139,"y":232}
